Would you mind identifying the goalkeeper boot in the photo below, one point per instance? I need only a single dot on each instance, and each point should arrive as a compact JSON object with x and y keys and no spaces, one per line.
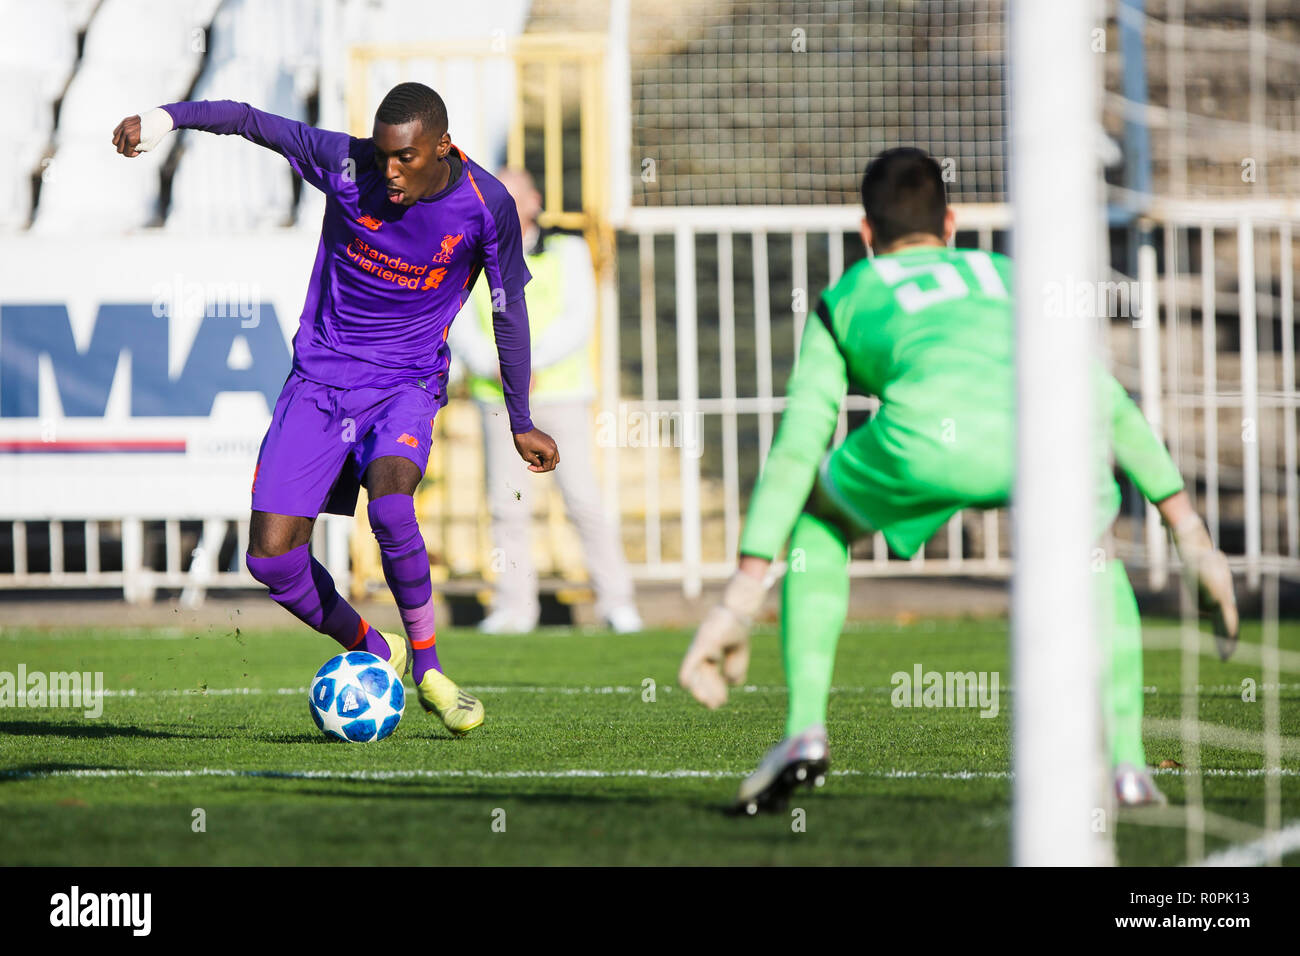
{"x":438,"y":694}
{"x":1135,"y":788}
{"x":399,"y":653}
{"x":801,"y":760}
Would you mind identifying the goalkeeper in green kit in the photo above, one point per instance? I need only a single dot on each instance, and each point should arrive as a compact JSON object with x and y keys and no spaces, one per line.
{"x":929,"y":330}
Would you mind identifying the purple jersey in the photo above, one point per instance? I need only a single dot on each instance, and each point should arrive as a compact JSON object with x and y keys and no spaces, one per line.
{"x":388,"y":278}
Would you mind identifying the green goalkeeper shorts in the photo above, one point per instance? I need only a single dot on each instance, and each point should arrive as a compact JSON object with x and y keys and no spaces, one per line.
{"x":907,"y":485}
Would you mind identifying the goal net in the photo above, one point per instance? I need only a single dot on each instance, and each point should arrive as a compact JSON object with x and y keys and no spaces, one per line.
{"x":1203,"y":98}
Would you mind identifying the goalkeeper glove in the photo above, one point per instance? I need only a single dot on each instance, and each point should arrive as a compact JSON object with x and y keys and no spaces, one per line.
{"x":719,"y":655}
{"x":1205,"y":569}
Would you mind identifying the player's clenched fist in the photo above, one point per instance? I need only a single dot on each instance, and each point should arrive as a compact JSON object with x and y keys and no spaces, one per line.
{"x":139,"y":134}
{"x":538,"y":449}
{"x":719,"y":655}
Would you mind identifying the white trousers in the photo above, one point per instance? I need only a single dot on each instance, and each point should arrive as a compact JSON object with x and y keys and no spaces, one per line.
{"x":512,"y":492}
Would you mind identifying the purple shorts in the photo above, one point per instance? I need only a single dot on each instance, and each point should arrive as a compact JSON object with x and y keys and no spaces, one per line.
{"x":322,"y":439}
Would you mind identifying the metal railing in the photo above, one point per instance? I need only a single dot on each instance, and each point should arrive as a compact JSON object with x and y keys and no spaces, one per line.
{"x":822,"y":231}
{"x":1258,"y":234}
{"x":125,"y":554}
{"x":1222,"y":393}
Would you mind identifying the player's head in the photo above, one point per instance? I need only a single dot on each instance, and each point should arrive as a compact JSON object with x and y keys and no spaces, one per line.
{"x":411,"y":140}
{"x":904,"y":201}
{"x":519,"y":183}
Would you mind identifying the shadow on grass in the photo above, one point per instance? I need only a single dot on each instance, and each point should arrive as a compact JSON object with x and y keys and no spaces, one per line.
{"x":271,"y":783}
{"x":434,"y":739}
{"x":89,"y":731}
{"x":468,"y":788}
{"x":34,"y":771}
{"x":423,"y":790}
{"x":295,"y":738}
{"x":97,"y":730}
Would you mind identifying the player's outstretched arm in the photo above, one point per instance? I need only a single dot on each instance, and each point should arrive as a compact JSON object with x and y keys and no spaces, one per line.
{"x":719,"y":654}
{"x":317,"y":155}
{"x":1146,"y":461}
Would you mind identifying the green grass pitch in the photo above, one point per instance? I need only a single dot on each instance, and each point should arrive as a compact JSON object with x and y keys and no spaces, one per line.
{"x":573,"y":760}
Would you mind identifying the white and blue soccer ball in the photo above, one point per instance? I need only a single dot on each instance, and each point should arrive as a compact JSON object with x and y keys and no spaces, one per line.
{"x":357,"y":697}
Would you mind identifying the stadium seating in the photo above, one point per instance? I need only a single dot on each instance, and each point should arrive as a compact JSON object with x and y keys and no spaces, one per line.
{"x":264,"y":52}
{"x":271,"y":34}
{"x":159,"y":64}
{"x":38,"y":54}
{"x":222,"y":185}
{"x":478,"y":96}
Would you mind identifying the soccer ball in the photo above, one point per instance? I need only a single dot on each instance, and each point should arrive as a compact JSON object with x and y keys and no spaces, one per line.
{"x":356,"y":697}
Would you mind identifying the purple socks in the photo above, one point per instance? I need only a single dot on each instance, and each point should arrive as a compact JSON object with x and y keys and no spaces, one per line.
{"x":301,"y":585}
{"x":406,"y":568}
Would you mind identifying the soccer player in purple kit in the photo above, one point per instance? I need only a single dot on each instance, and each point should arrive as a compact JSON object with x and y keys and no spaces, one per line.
{"x":410,"y":222}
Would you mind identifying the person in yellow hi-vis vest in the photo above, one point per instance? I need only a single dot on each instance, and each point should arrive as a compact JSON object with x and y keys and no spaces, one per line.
{"x":561,"y":319}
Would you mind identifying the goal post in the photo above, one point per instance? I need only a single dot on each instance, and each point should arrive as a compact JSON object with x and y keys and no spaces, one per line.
{"x":1057,"y":737}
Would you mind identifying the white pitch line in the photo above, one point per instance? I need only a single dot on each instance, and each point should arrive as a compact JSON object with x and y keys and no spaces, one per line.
{"x":679,"y":774}
{"x":1249,"y":772}
{"x":381,"y":775}
{"x":225,"y":630}
{"x":286,"y":691}
{"x":1258,"y":852}
{"x":599,"y":691}
{"x":369,"y":775}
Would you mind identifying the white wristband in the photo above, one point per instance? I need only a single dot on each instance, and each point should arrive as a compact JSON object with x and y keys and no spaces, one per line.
{"x":154,"y":125}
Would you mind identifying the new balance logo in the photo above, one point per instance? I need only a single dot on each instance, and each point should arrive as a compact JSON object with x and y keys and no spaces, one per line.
{"x":370,"y":222}
{"x":406,"y":439}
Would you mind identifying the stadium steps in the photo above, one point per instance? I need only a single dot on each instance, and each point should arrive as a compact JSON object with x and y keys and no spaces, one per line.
{"x":1216,"y":38}
{"x":37,"y":58}
{"x":167,"y":41}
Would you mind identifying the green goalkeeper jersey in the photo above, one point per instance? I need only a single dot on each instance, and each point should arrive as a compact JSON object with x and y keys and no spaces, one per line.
{"x":930,"y":332}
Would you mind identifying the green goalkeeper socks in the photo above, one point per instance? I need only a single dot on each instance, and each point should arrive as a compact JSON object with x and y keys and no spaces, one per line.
{"x":814,"y":604}
{"x":1121,"y":663}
